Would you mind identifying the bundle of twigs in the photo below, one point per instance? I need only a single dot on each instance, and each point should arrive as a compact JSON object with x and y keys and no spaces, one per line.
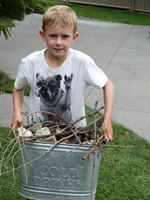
{"x":63,"y":132}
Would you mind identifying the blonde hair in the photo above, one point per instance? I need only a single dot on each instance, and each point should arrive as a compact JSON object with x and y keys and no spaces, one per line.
{"x":59,"y":14}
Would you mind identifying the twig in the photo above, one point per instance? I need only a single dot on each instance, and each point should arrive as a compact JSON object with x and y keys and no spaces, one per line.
{"x":23,"y":160}
{"x":93,"y":169}
{"x":61,"y":140}
{"x":88,"y":115}
{"x":63,"y":153}
{"x":83,"y":117}
{"x":109,"y":166}
{"x":54,"y":114}
{"x":23,"y":164}
{"x":4,"y":154}
{"x":109,"y":155}
{"x":8,"y":157}
{"x":75,"y":133}
{"x":29,"y":111}
{"x":13,"y":107}
{"x":99,"y":139}
{"x":118,"y":146}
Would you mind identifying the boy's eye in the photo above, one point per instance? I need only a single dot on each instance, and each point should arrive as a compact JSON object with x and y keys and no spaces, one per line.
{"x":65,"y":36}
{"x":52,"y":36}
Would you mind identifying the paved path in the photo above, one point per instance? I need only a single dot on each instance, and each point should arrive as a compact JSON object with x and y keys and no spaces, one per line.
{"x":121,"y":51}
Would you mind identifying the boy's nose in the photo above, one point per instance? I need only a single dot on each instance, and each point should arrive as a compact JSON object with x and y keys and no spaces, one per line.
{"x":58,"y":41}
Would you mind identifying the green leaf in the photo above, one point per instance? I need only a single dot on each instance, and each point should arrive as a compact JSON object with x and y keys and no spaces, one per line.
{"x":15,"y":9}
{"x":6,"y":22}
{"x":31,"y":6}
{"x":5,"y":33}
{"x":29,"y":10}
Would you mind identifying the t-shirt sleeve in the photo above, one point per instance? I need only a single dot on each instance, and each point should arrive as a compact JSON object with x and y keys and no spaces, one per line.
{"x":94,"y":75}
{"x":21,"y":79}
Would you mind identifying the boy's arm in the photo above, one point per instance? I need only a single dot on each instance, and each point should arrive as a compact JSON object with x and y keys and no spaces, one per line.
{"x":17,"y":102}
{"x":108,"y":103}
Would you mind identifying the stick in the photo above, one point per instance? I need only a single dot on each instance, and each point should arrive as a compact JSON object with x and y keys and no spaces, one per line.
{"x":61,"y":140}
{"x":88,"y":115}
{"x":100,"y":139}
{"x":99,"y":122}
{"x":1,"y":164}
{"x":23,"y":160}
{"x":57,"y":116}
{"x":117,"y":146}
{"x":109,"y":166}
{"x":93,"y":169}
{"x":63,"y":153}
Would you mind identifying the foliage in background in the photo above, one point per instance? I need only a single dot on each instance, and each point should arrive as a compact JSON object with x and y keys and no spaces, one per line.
{"x":10,"y":11}
{"x":7,"y":84}
{"x":4,"y":77}
{"x":13,"y":10}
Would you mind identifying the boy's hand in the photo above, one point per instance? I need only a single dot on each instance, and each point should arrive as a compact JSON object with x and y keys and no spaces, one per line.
{"x":16,"y":121}
{"x":107,"y":129}
{"x":17,"y":102}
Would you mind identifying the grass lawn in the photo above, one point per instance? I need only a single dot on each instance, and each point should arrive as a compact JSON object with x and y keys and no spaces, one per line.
{"x":133,"y":163}
{"x":102,"y":13}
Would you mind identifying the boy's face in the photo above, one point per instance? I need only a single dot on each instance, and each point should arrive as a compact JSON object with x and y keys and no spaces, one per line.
{"x":58,"y":39}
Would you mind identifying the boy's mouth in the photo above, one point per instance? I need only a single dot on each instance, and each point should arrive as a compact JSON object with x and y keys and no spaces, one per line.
{"x":57,"y":49}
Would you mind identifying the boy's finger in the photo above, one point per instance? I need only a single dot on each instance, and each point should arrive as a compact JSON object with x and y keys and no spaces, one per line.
{"x":108,"y":136}
{"x":19,"y":124}
{"x":14,"y":127}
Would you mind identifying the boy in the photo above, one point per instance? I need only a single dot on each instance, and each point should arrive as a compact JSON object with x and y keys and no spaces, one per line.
{"x":58,"y":75}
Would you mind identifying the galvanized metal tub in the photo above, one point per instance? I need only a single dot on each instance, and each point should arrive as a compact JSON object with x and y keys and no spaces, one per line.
{"x":66,"y":177}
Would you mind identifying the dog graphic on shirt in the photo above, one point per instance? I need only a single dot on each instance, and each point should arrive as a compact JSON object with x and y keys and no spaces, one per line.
{"x":53,"y":99}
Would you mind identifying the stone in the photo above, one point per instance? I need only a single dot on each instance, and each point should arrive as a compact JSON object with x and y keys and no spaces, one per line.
{"x":42,"y":131}
{"x":24,"y":132}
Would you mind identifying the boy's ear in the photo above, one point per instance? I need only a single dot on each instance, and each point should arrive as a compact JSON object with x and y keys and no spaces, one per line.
{"x":74,"y":37}
{"x":42,"y":34}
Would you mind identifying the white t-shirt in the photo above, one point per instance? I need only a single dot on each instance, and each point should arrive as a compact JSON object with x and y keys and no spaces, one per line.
{"x":59,"y":90}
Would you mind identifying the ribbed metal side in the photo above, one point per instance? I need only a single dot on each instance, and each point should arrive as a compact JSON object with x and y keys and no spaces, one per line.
{"x":66,"y":177}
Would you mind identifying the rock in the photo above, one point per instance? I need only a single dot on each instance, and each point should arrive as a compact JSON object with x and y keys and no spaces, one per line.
{"x":50,"y":139}
{"x":58,"y":130}
{"x":92,"y":141}
{"x":87,"y":142}
{"x":45,"y":131}
{"x":42,"y":131}
{"x":34,"y":127}
{"x":24,"y":132}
